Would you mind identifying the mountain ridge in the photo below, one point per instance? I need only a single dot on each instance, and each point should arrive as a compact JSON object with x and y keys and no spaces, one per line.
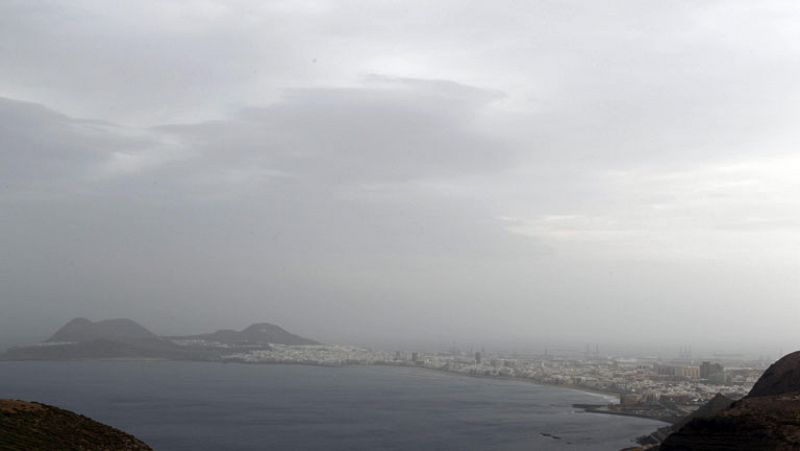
{"x":81,"y":338}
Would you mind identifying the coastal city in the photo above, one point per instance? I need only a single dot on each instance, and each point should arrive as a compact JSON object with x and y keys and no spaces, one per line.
{"x":648,"y":387}
{"x":663,"y":388}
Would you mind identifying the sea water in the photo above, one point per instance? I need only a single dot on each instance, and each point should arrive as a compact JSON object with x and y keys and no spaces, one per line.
{"x":213,"y":406}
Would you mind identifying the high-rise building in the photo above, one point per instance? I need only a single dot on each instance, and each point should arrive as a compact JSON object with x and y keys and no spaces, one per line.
{"x":710,"y":370}
{"x":680,"y":371}
{"x":478,"y":358}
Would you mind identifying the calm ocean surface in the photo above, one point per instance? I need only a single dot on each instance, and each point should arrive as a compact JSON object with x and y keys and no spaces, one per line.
{"x":210,"y":406}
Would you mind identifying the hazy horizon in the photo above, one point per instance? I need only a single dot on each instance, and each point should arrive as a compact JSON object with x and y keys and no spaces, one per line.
{"x":500,"y":174}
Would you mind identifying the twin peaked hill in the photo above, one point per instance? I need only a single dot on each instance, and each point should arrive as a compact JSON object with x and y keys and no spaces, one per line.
{"x":81,"y":338}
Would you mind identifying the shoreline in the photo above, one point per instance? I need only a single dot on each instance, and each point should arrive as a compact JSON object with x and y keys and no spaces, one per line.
{"x":589,"y":390}
{"x":599,"y":410}
{"x":579,"y":388}
{"x":586,"y":408}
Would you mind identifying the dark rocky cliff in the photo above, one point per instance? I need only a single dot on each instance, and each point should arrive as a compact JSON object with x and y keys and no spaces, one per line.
{"x":714,"y":406}
{"x":781,"y":377}
{"x":33,"y":426}
{"x":768,"y":418}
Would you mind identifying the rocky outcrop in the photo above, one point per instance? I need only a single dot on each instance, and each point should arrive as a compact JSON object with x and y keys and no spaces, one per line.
{"x":34,"y":426}
{"x":768,"y":418}
{"x":713,"y":407}
{"x":752,"y":424}
{"x":781,"y":377}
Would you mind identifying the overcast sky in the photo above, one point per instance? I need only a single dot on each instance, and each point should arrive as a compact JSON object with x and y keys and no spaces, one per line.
{"x":514,"y":172}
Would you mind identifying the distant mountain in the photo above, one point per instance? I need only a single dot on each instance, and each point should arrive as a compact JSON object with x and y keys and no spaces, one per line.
{"x":768,"y":418}
{"x":81,"y":338}
{"x":101,"y":348}
{"x":107,"y":339}
{"x":254,"y":335}
{"x":82,"y":330}
{"x":34,"y":426}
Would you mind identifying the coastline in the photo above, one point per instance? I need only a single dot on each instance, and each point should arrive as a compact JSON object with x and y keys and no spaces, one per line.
{"x":469,"y":406}
{"x":587,"y":408}
{"x":601,"y":409}
{"x":592,"y":391}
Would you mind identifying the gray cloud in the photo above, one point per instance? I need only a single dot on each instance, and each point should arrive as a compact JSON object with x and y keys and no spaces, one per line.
{"x":470,"y":171}
{"x":402,"y":130}
{"x":273,"y":207}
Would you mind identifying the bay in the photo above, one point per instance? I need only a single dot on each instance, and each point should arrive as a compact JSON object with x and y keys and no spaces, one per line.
{"x":214,"y":406}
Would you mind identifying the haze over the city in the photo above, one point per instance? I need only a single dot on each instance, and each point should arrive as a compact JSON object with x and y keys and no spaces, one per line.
{"x":506,"y":173}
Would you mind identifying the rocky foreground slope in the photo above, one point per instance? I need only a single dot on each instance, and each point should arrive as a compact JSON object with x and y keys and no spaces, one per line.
{"x":768,"y":418}
{"x":714,"y":406}
{"x":33,"y":426}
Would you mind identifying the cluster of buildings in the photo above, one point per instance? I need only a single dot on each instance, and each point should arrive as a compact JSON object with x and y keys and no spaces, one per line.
{"x":324,"y":355}
{"x":644,"y":386}
{"x":713,"y":372}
